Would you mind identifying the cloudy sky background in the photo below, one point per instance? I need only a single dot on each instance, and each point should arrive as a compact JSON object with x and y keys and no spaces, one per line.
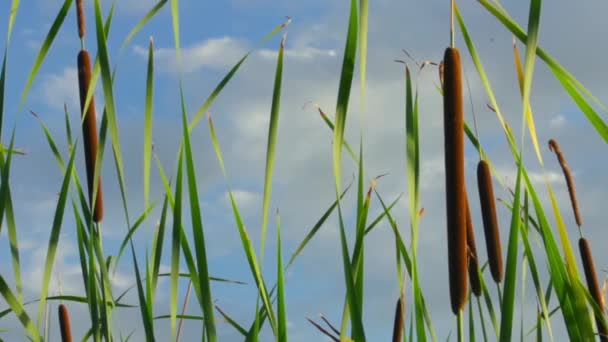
{"x":214,"y":36}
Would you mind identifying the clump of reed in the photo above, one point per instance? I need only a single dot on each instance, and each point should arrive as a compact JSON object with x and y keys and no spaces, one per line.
{"x":583,"y":245}
{"x":89,"y":126}
{"x":454,"y":177}
{"x":64,"y":324}
{"x":490,"y":223}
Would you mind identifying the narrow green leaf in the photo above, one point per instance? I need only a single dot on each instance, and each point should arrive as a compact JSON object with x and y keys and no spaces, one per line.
{"x":148,"y":121}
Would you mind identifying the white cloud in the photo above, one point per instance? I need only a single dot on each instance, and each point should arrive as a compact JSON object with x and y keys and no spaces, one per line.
{"x":558,"y":121}
{"x":215,"y":53}
{"x":58,"y":89}
{"x":305,"y":53}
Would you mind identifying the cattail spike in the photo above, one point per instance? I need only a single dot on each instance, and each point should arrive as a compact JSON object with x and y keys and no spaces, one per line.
{"x":399,"y":320}
{"x":554,"y":147}
{"x":592,"y":284}
{"x":490,"y":223}
{"x":472,"y":254}
{"x":64,"y":324}
{"x":80,"y":17}
{"x":455,"y":183}
{"x":89,"y":131}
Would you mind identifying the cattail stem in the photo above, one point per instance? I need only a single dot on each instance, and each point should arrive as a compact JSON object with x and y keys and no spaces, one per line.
{"x":455,"y":182}
{"x":64,"y":324}
{"x":554,"y":146}
{"x":490,"y":223}
{"x":89,"y":131}
{"x":473,"y":263}
{"x":593,"y":284}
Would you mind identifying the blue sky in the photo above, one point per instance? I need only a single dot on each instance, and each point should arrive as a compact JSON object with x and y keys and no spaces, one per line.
{"x":214,"y":35}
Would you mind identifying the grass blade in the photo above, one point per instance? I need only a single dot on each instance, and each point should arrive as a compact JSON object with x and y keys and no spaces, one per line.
{"x":271,"y":147}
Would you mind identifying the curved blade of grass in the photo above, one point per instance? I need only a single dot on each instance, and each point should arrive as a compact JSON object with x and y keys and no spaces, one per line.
{"x":508,"y":301}
{"x":533,"y":269}
{"x":145,"y":309}
{"x":131,"y":231}
{"x":531,"y":44}
{"x":142,"y":22}
{"x":216,"y":91}
{"x":232,"y":322}
{"x":529,"y":115}
{"x":271,"y":147}
{"x":558,"y":70}
{"x":245,"y":240}
{"x":198,"y":232}
{"x":54,"y":237}
{"x":379,"y":218}
{"x":148,"y":121}
{"x":354,"y":308}
{"x":346,"y":78}
{"x":44,"y":48}
{"x":157,"y":246}
{"x":17,"y":308}
{"x":315,"y":229}
{"x":175,"y":247}
{"x":282,"y":313}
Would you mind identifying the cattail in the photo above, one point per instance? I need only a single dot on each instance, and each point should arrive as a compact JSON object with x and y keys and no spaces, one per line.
{"x":64,"y":324}
{"x":89,"y":131}
{"x":490,"y":223}
{"x":454,"y":176}
{"x":80,"y":16}
{"x":399,"y":319}
{"x":473,"y":261}
{"x":592,"y":283}
{"x":554,"y":146}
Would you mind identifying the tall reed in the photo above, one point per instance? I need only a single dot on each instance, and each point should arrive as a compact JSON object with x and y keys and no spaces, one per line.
{"x":593,"y":284}
{"x":454,"y":177}
{"x":490,"y":223}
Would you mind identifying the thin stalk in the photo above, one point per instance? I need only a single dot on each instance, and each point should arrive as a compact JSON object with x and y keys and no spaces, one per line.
{"x":181,"y":320}
{"x":460,"y":327}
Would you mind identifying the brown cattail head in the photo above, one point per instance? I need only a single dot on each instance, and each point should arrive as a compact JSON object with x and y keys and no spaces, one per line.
{"x":554,"y":146}
{"x":490,"y":223}
{"x":80,"y":17}
{"x":89,"y":131}
{"x":472,"y":253}
{"x":399,"y":320}
{"x":454,"y":176}
{"x":592,"y":283}
{"x":64,"y":324}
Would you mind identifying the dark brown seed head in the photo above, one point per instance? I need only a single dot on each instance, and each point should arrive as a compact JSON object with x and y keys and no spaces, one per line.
{"x":472,"y":253}
{"x":453,"y":121}
{"x":89,"y":131}
{"x":554,"y":146}
{"x":399,"y":320}
{"x":64,"y":324}
{"x":592,"y":283}
{"x":490,"y":223}
{"x":80,"y":17}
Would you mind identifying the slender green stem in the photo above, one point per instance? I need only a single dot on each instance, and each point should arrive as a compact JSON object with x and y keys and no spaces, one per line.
{"x":460,"y":327}
{"x":452,"y":4}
